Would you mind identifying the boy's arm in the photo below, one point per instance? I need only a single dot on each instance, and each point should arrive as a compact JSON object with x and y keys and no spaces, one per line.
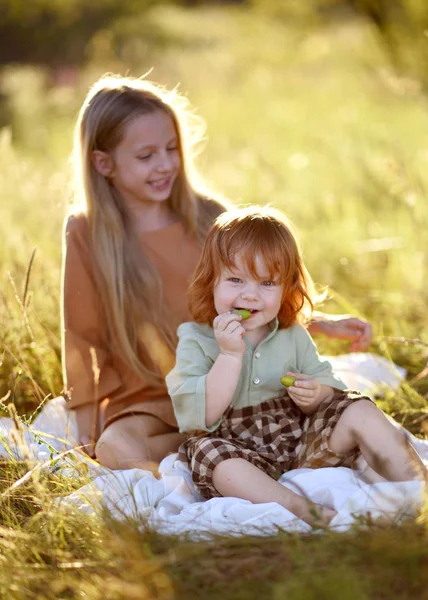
{"x":200,"y":388}
{"x":307,"y":393}
{"x":315,"y":380}
{"x":221,"y":385}
{"x":224,"y":374}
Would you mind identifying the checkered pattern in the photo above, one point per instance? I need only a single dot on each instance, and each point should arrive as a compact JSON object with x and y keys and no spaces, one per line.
{"x":275,"y":436}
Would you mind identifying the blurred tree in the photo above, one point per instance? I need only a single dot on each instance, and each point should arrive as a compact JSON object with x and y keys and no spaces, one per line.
{"x":56,"y":32}
{"x":402,"y":26}
{"x":295,"y":11}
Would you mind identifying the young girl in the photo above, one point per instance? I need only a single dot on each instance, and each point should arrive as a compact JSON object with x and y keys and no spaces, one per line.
{"x":128,"y":258}
{"x":129,"y":253}
{"x":226,"y":385}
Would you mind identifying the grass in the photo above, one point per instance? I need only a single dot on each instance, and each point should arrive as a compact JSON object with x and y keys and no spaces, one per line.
{"x":73,"y":555}
{"x":311,"y":119}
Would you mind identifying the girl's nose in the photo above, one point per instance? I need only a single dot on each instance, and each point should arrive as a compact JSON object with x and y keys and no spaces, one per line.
{"x":165,"y":162}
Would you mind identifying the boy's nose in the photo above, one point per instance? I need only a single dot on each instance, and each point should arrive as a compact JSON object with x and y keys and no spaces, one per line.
{"x":250,"y":292}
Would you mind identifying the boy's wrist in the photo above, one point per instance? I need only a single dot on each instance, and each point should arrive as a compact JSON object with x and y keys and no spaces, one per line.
{"x":232,"y":355}
{"x":325,"y":392}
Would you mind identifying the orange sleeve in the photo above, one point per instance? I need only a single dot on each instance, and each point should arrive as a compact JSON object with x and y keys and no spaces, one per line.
{"x":83,"y":323}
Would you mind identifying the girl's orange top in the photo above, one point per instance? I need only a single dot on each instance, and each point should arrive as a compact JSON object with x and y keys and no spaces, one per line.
{"x":119,"y":391}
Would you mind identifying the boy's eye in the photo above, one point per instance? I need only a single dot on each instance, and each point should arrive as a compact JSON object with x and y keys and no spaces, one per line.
{"x":144,"y":157}
{"x":172,"y":148}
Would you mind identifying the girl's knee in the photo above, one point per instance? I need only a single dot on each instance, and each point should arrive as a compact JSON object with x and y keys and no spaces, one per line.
{"x":107,"y":450}
{"x":118,"y":449}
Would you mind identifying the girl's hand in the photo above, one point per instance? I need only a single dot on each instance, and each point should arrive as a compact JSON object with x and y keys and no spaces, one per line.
{"x":87,"y":446}
{"x":229,"y":333}
{"x":307,"y":392}
{"x":344,"y":327}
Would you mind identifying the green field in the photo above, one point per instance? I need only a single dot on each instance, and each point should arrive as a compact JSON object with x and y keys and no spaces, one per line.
{"x":312,"y":120}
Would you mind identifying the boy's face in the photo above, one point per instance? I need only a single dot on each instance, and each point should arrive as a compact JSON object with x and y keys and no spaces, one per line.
{"x":238,"y":288}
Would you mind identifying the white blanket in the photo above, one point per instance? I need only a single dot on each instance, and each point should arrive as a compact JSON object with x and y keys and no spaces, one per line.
{"x":170,"y":504}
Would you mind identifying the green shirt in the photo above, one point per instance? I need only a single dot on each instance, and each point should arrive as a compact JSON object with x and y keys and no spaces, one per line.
{"x":282,"y":350}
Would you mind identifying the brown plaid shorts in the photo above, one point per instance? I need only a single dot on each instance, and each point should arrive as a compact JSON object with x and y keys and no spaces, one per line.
{"x":275,"y":436}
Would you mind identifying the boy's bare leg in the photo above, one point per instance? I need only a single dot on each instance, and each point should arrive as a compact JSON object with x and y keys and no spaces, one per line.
{"x":239,"y":478}
{"x":384,"y":447}
{"x":366,"y":473}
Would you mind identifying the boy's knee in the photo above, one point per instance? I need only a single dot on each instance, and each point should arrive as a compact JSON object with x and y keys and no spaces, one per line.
{"x":357,"y":413}
{"x":202,"y":449}
{"x":209,"y":453}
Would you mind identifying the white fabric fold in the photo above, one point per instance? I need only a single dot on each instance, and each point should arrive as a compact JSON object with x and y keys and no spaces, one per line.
{"x":170,"y":504}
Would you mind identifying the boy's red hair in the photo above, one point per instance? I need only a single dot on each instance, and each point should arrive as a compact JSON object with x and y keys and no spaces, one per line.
{"x":251,"y":232}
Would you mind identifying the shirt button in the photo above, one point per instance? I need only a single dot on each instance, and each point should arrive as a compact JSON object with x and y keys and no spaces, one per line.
{"x":257,"y":355}
{"x":256,"y":380}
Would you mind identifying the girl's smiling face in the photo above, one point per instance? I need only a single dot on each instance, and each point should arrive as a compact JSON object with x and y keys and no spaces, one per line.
{"x":146,"y":162}
{"x":259,"y":293}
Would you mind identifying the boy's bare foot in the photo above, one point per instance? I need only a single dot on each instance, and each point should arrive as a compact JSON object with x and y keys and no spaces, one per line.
{"x":316,"y":515}
{"x":326,"y":516}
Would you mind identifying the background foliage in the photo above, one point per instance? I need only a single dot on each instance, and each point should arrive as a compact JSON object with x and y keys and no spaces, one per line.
{"x":319,"y":107}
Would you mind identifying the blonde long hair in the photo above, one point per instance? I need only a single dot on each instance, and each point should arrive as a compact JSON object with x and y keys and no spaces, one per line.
{"x":128,"y":282}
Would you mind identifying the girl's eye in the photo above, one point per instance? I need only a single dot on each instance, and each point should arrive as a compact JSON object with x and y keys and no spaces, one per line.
{"x":172,"y":149}
{"x":145,"y":157}
{"x":268,"y":283}
{"x":234,"y":279}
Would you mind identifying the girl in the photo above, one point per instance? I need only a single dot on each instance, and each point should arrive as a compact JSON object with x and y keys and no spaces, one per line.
{"x":227,"y":377}
{"x":129,"y":252}
{"x":128,"y":258}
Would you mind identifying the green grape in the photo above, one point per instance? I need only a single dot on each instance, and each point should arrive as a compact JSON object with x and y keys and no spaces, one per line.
{"x":245,"y":314}
{"x":288,"y":380}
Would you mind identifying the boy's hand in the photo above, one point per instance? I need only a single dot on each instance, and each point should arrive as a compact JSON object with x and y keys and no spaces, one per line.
{"x":307,"y":392}
{"x":229,"y":333}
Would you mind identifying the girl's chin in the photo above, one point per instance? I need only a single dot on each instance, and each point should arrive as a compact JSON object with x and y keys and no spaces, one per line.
{"x":161,"y":193}
{"x":157,"y":197}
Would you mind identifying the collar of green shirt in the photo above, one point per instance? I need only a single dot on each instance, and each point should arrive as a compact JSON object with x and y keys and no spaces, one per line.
{"x":273,"y":325}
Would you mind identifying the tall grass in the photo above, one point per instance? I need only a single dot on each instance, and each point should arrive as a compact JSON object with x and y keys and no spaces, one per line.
{"x":313,"y":121}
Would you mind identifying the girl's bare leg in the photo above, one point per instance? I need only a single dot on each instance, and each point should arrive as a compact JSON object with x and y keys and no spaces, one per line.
{"x":136,"y":441}
{"x":239,"y":478}
{"x":385,"y":448}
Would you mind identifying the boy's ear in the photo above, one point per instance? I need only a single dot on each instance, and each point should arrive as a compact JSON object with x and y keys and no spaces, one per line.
{"x":103,"y":163}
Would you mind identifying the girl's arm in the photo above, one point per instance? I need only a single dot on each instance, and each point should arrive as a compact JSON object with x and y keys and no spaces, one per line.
{"x":343,"y":327}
